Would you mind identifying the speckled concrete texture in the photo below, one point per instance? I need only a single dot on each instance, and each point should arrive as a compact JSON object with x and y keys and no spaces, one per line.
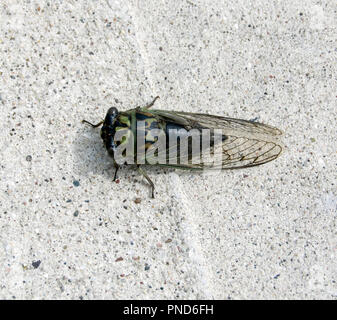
{"x":69,"y":232}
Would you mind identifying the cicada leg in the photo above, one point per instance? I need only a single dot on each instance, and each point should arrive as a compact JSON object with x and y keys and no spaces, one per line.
{"x":143,"y":173}
{"x":93,"y":125}
{"x":152,"y":103}
{"x":116,"y":167}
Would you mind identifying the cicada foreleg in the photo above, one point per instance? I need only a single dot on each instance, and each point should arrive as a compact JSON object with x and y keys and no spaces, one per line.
{"x":93,"y":125}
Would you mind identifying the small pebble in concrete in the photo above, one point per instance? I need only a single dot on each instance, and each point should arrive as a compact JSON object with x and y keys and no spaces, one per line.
{"x":36,"y":264}
{"x":76,"y":183}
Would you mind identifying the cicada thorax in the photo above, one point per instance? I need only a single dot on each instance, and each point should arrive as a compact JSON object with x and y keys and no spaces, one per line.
{"x":123,"y":127}
{"x":148,"y":130}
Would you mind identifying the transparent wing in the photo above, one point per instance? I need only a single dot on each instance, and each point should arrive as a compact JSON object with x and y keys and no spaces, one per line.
{"x":217,"y":122}
{"x":242,"y":143}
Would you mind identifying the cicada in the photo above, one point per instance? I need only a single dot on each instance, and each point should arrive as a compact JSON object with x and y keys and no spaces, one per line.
{"x":193,"y":141}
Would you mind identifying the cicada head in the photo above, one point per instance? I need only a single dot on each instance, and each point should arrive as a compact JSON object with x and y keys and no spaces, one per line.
{"x":108,"y":130}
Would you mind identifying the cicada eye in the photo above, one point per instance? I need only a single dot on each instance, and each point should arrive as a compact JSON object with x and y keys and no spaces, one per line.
{"x":111,"y":116}
{"x":113,"y":112}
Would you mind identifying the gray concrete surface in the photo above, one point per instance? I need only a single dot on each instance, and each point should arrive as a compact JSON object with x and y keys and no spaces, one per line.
{"x":69,"y":232}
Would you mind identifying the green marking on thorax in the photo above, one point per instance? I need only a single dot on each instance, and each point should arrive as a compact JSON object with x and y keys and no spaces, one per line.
{"x":125,"y":120}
